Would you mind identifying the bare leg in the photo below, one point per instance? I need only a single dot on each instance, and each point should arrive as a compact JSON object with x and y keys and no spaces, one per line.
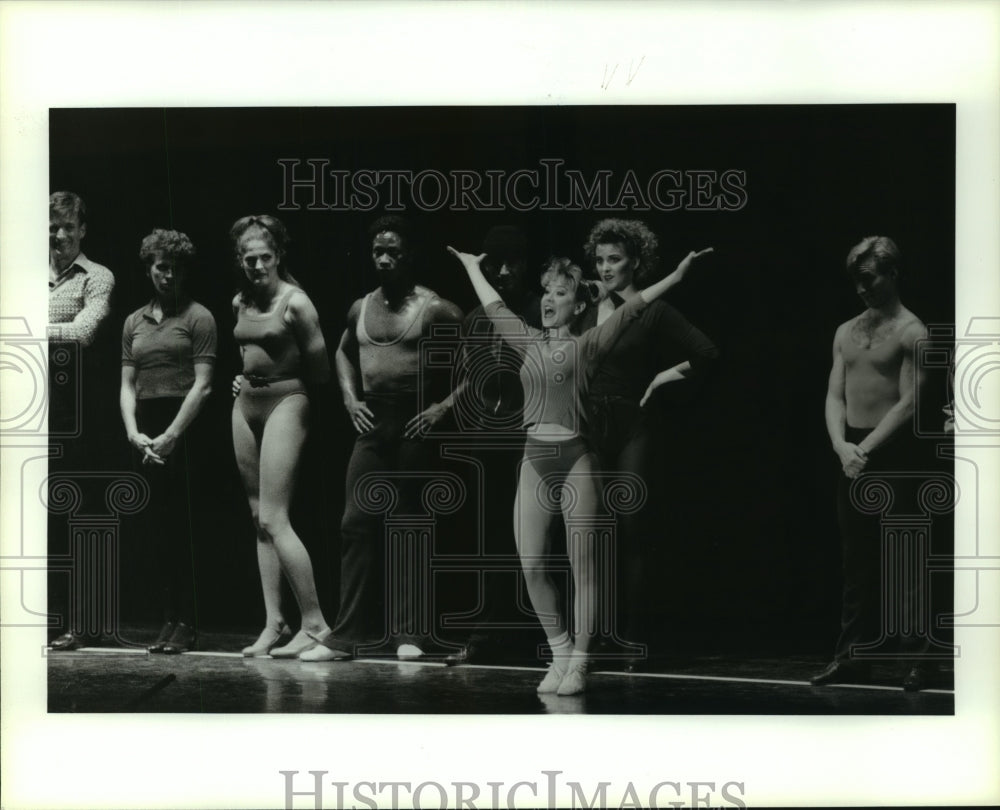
{"x":280,"y":453}
{"x":248,"y":461}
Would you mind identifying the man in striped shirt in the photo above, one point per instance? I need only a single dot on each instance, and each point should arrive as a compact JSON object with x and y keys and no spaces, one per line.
{"x":79,"y":289}
{"x":79,"y":301}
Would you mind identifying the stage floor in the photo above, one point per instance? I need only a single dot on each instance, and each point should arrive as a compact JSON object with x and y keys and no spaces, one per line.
{"x":111,"y":679}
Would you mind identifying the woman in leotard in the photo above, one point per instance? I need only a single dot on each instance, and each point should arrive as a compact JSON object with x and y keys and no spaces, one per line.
{"x":661,"y":351}
{"x":284,"y":354}
{"x":557,"y":455}
{"x":168,"y":353}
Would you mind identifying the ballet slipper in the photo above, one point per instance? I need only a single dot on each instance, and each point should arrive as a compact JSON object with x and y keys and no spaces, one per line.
{"x":323,"y":653}
{"x":574,"y":682}
{"x":553,"y":678}
{"x":300,"y":642}
{"x":267,"y":640}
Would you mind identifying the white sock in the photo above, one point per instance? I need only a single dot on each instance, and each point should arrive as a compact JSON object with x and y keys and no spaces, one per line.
{"x":562,"y":650}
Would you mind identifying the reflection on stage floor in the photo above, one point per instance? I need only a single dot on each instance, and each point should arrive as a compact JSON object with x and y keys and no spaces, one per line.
{"x":112,"y":679}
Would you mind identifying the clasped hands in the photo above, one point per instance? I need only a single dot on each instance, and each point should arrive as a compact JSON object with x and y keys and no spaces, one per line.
{"x":154,"y":451}
{"x":852,"y":459}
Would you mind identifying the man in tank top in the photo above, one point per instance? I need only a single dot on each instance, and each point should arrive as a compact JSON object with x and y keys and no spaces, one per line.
{"x":384,"y":387}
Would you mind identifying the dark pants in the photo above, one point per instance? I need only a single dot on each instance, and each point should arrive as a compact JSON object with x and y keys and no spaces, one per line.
{"x":625,"y":440}
{"x":379,"y":464}
{"x":862,"y":612}
{"x":169,"y":527}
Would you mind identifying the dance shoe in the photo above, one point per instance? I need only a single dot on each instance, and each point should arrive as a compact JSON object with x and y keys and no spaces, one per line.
{"x":301,"y":641}
{"x":182,"y":639}
{"x":321,"y":652}
{"x":409,"y":652}
{"x":165,"y":633}
{"x":573,"y":682}
{"x":552,"y":680}
{"x":843,"y":672}
{"x":268,"y":639}
{"x":73,"y":641}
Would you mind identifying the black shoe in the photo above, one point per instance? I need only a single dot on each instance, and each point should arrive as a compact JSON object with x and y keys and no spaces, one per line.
{"x":915,"y":680}
{"x":73,"y":641}
{"x":843,"y":672}
{"x":165,"y":633}
{"x":182,"y":639}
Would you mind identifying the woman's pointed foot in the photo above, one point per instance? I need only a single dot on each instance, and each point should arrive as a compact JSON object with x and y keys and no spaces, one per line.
{"x":267,"y":640}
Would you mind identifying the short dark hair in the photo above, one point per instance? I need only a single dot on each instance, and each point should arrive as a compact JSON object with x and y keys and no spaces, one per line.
{"x":881,"y":249}
{"x":636,"y":237}
{"x":66,"y":203}
{"x":174,"y":244}
{"x":396,"y":224}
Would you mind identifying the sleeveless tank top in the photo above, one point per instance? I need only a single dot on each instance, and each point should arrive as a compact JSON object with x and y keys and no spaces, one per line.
{"x":392,"y":365}
{"x":267,"y":342}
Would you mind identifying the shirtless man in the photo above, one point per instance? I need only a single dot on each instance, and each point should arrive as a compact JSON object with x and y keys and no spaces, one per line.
{"x":874,"y":384}
{"x":380,"y":348}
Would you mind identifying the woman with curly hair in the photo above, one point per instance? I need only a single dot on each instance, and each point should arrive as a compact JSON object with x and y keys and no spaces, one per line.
{"x":662,"y":349}
{"x":557,"y":454}
{"x":284,"y":357}
{"x":168,"y":354}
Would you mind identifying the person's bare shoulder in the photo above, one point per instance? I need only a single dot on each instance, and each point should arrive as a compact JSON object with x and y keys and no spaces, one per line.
{"x":354,"y":312}
{"x":442,"y":310}
{"x":911,"y":328}
{"x":844,"y":330}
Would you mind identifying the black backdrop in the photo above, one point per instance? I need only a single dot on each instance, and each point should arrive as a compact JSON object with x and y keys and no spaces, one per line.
{"x":748,"y":556}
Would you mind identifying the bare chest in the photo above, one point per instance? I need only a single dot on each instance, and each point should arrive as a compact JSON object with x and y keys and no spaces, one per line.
{"x":873,"y":345}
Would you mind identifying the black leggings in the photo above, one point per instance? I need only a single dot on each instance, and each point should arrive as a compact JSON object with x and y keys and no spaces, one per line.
{"x":170,"y":530}
{"x":626,"y":442}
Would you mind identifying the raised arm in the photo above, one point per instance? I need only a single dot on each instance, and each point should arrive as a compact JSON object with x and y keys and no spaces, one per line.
{"x":484,"y":290}
{"x":505,"y":322}
{"x":911,"y":381}
{"x":852,"y":458}
{"x":348,"y":374}
{"x":654,"y":291}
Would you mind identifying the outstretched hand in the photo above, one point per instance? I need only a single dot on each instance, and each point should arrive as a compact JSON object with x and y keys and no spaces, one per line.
{"x":688,"y":261}
{"x":468,"y":260}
